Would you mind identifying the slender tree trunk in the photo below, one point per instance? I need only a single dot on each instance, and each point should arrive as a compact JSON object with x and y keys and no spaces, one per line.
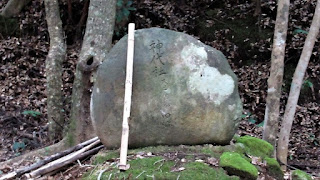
{"x":96,"y":44}
{"x":82,"y":20}
{"x":55,"y":58}
{"x":257,"y":10}
{"x":282,"y":150}
{"x":14,"y":7}
{"x":70,"y":15}
{"x":276,"y":73}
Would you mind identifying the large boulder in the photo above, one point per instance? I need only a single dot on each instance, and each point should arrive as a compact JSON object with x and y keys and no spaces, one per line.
{"x":184,"y":92}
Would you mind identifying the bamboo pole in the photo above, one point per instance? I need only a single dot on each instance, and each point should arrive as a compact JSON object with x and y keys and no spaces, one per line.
{"x":127,"y":100}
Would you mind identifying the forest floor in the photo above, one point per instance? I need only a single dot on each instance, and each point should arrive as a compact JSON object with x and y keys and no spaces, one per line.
{"x":229,"y":26}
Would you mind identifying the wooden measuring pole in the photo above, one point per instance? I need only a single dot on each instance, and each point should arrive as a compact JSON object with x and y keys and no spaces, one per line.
{"x":127,"y":100}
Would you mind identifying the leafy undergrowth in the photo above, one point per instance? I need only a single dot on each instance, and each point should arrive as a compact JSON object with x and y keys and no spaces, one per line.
{"x":226,"y":25}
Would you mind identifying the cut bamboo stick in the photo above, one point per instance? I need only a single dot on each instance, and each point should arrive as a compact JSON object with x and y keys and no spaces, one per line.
{"x":51,"y":158}
{"x":60,"y":162}
{"x":127,"y":100}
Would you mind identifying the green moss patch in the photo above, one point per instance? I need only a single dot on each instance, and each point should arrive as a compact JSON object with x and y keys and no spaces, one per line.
{"x":160,"y":168}
{"x":274,"y":169}
{"x":235,"y":164}
{"x":103,"y":157}
{"x":255,"y":146}
{"x":197,"y":170}
{"x":300,"y":175}
{"x":211,"y":151}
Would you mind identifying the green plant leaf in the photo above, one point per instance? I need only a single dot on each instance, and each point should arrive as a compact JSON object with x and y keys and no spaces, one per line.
{"x":252,"y":121}
{"x":18,"y":145}
{"x":261,"y":124}
{"x":129,"y":3}
{"x":131,"y":9}
{"x":126,"y":13}
{"x":120,"y":3}
{"x":246,"y":114}
{"x":31,"y":113}
{"x":308,"y":83}
{"x":297,"y":31}
{"x":243,"y":116}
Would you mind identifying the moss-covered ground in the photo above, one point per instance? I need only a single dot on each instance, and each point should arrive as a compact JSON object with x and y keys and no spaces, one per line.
{"x":158,"y":167}
{"x":234,"y":161}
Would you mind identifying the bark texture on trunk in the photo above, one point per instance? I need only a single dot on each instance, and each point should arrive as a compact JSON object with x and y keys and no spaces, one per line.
{"x":271,"y":118}
{"x":96,"y":44}
{"x":257,"y":10}
{"x":282,"y":149}
{"x":55,"y":58}
{"x":14,"y":7}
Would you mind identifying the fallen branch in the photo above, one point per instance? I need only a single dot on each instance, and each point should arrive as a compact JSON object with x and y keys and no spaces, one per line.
{"x":56,"y":164}
{"x":53,"y":157}
{"x":49,"y":150}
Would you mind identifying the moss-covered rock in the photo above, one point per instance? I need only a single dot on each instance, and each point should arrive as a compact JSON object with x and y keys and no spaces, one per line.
{"x":300,"y":175}
{"x":235,"y":164}
{"x":255,"y":146}
{"x":198,"y":170}
{"x":273,"y":168}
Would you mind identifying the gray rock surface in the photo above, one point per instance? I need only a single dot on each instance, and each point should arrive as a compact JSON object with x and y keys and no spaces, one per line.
{"x":184,"y":92}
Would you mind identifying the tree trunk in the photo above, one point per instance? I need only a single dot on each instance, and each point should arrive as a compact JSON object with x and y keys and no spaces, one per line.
{"x":276,"y":73}
{"x":55,"y":58}
{"x":257,"y":10}
{"x":96,"y":44}
{"x":282,"y":150}
{"x":82,"y":21}
{"x":14,"y":7}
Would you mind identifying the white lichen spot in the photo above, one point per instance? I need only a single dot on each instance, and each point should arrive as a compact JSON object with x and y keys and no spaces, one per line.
{"x":205,"y":79}
{"x":163,"y":112}
{"x":279,"y":39}
{"x":98,"y":90}
{"x":270,"y":90}
{"x":231,"y":107}
{"x":194,"y":56}
{"x":96,"y":13}
{"x":91,"y":107}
